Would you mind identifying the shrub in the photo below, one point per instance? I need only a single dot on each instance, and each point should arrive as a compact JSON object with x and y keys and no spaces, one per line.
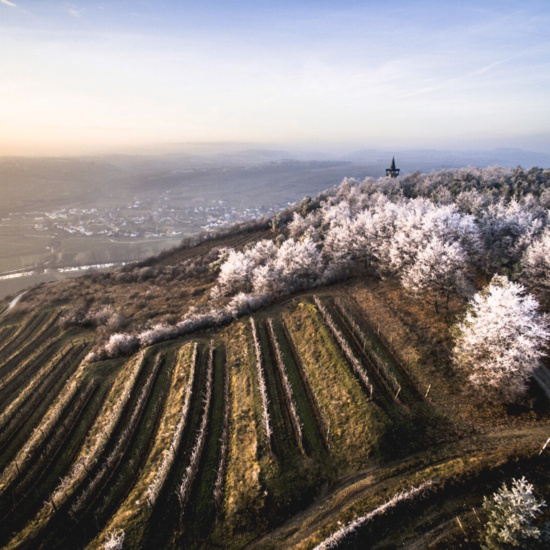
{"x":114,"y":540}
{"x":121,"y":344}
{"x":511,"y":515}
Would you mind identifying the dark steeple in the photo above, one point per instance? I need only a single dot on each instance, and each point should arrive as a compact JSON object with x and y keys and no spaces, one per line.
{"x":392,"y":171}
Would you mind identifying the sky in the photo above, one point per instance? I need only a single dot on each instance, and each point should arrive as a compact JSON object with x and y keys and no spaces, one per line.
{"x":87,"y":77}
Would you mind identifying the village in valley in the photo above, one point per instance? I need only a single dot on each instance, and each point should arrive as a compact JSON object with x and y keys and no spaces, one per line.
{"x":143,"y":219}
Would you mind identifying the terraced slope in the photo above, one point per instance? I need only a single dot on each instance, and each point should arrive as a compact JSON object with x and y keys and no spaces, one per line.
{"x":272,"y":432}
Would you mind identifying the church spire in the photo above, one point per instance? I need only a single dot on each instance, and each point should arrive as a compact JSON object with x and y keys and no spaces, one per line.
{"x":392,"y":171}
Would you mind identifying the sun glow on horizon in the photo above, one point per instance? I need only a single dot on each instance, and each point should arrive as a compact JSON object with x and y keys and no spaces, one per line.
{"x":85,"y":78}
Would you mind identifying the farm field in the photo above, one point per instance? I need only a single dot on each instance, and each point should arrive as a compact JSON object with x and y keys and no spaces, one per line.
{"x":269,"y":433}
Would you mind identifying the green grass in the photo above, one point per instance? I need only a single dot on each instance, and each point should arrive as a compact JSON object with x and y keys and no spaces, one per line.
{"x":354,"y":423}
{"x":314,"y":444}
{"x":123,"y":477}
{"x":24,"y":340}
{"x":28,"y":415}
{"x":284,"y":443}
{"x":290,"y":481}
{"x":381,"y":351}
{"x":48,"y":452}
{"x":382,"y":394}
{"x":59,"y":468}
{"x":115,"y":482}
{"x":244,"y":498}
{"x":7,"y":332}
{"x":164,"y":525}
{"x":404,"y":428}
{"x":200,"y":513}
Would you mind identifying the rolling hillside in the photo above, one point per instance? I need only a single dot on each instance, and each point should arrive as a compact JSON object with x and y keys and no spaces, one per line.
{"x":272,"y":428}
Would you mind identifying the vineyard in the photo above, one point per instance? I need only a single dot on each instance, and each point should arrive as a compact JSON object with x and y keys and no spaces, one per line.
{"x":269,"y":432}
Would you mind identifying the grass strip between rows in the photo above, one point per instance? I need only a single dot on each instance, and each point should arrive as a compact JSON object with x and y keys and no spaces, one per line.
{"x":131,"y":517}
{"x":93,"y":445}
{"x":351,"y":422}
{"x":244,"y":496}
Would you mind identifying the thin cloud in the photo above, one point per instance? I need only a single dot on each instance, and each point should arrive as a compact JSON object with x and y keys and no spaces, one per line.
{"x":73,"y":10}
{"x":8,"y":3}
{"x":462,"y":78}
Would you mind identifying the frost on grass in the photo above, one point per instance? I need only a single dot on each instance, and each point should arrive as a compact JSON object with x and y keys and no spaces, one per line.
{"x":114,"y":540}
{"x":339,"y":536}
{"x":266,"y":421}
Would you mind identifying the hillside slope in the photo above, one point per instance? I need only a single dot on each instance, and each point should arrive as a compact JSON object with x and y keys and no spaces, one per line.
{"x":271,"y":427}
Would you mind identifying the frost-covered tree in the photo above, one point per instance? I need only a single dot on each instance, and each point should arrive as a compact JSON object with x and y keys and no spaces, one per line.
{"x":121,"y":344}
{"x":418,"y":221}
{"x":438,"y":271}
{"x":262,"y":251}
{"x":339,"y":244}
{"x":500,"y":340}
{"x":507,"y":230}
{"x":236,"y":272}
{"x":511,"y":515}
{"x":373,"y":230}
{"x":245,"y":303}
{"x":299,"y":224}
{"x":298,"y":265}
{"x":536,"y":264}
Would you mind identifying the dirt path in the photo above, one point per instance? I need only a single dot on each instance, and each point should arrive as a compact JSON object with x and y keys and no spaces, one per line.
{"x":382,"y":477}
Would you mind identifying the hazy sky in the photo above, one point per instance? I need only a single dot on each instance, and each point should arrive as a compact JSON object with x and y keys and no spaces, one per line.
{"x":93,"y":76}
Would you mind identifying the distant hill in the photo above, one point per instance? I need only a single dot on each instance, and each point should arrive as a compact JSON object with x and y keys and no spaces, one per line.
{"x":426,"y":160}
